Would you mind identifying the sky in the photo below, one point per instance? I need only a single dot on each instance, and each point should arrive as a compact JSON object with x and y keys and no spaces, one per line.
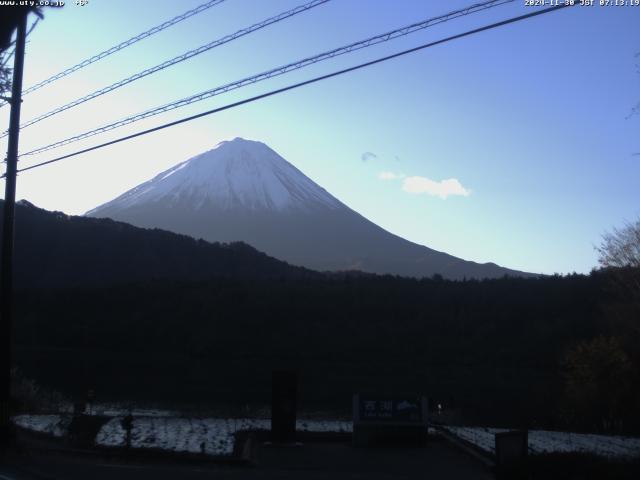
{"x":515,"y":145}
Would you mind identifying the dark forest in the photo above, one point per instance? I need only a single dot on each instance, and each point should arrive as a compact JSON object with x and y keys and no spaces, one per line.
{"x":552,"y":352}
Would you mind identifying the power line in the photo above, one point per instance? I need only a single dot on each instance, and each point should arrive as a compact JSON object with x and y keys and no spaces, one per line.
{"x":300,"y":84}
{"x":120,"y":46}
{"x":175,"y":60}
{"x":275,"y":72}
{"x":279,"y":71}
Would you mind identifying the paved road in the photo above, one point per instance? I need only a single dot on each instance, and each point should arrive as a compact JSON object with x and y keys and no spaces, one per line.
{"x":65,"y":468}
{"x":317,"y":460}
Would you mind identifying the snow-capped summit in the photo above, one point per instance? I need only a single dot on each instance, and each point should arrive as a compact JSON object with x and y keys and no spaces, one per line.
{"x":235,"y":174}
{"x":242,"y":190}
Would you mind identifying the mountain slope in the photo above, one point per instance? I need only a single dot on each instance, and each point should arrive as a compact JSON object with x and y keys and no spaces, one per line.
{"x":56,"y":250}
{"x":244,"y":191}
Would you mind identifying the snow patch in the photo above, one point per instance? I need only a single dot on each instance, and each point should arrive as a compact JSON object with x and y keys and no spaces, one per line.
{"x":543,"y":441}
{"x":56,"y":425}
{"x":236,"y":173}
{"x":175,"y":169}
{"x":112,"y":434}
{"x":211,"y":436}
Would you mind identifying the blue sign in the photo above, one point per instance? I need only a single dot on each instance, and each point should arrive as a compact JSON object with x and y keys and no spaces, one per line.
{"x":390,"y":409}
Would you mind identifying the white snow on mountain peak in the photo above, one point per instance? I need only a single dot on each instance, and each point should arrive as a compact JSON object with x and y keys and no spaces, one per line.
{"x":235,"y":173}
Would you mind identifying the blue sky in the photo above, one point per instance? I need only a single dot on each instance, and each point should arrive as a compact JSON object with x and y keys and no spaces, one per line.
{"x":528,"y":124}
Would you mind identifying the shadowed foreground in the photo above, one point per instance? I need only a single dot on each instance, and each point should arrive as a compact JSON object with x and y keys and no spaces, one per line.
{"x":313,"y":460}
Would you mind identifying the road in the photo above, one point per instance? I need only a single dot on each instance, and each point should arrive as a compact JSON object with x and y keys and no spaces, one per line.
{"x":317,"y":460}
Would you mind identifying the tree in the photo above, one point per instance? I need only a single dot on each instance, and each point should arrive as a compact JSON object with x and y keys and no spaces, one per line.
{"x":5,"y":72}
{"x":598,"y":384}
{"x":620,"y":258}
{"x":620,"y":248}
{"x":10,"y":19}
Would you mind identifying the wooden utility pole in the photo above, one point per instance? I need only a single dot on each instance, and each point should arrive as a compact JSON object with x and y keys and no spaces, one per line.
{"x":6,"y":268}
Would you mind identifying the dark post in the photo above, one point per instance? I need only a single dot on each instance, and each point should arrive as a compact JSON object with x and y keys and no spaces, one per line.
{"x":512,"y":449}
{"x":283,"y":406}
{"x":6,"y":280}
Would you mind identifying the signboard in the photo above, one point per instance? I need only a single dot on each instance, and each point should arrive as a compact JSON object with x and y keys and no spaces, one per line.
{"x":396,"y":419}
{"x":386,"y":409}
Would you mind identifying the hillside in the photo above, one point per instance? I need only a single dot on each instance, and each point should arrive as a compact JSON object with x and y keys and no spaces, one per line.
{"x":57,"y":250}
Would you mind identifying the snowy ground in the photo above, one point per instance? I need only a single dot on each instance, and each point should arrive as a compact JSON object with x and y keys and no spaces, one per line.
{"x":216,"y":436}
{"x":213,"y":436}
{"x":541,"y":441}
{"x":56,"y":425}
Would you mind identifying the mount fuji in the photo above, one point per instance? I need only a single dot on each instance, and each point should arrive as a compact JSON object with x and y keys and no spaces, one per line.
{"x":242,"y":190}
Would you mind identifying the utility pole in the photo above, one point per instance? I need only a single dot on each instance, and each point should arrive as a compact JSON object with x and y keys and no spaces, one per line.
{"x":6,"y":269}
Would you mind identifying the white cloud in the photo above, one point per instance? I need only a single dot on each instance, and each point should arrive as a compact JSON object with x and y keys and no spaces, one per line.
{"x":390,"y":176}
{"x":442,"y":189}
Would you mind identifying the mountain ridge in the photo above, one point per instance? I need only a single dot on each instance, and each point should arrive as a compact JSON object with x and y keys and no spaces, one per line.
{"x":53,"y":249}
{"x":242,"y":190}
